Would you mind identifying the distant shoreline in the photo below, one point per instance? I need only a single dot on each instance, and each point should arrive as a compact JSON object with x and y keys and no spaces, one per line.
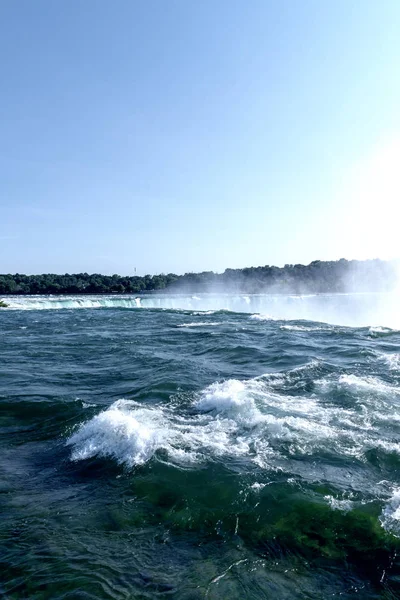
{"x":319,"y":277}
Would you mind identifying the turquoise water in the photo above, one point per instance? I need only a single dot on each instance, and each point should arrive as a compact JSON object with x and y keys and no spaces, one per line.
{"x":162,"y":448}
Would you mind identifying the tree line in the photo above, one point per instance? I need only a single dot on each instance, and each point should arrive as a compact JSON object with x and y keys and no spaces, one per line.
{"x":317,"y":277}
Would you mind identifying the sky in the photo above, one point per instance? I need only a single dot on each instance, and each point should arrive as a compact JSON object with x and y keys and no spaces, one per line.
{"x":178,"y":135}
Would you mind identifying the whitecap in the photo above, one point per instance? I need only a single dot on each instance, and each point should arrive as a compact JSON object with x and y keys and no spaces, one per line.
{"x":301,"y":328}
{"x":357,"y":384}
{"x":392,"y":360}
{"x":230,"y":399}
{"x":130,"y":437}
{"x":390,"y":516}
{"x":247,"y":419}
{"x":259,"y":317}
{"x":200,"y":324}
{"x":381,"y":330}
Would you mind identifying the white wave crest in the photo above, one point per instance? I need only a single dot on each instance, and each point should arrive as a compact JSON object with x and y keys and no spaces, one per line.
{"x":301,"y":328}
{"x":199,"y":324}
{"x":230,"y":399}
{"x":130,"y":437}
{"x":357,"y":385}
{"x":381,"y":330}
{"x":390,"y":516}
{"x":249,"y":419}
{"x":392,"y":360}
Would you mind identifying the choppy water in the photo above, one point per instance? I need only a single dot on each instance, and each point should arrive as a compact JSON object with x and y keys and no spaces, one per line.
{"x":198,"y":453}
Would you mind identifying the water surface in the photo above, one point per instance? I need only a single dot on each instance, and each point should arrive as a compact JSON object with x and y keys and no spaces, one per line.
{"x":152,"y":451}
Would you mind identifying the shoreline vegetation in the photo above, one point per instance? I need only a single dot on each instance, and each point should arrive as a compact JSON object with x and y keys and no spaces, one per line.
{"x":317,"y":277}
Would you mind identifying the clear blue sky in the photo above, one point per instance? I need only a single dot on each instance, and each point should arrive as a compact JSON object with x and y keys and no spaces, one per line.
{"x":191,"y":135}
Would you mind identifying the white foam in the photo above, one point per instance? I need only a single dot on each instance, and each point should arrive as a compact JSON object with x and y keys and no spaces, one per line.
{"x":200,"y":324}
{"x":357,"y":384}
{"x":380,"y":330}
{"x":390,"y":516}
{"x":258,"y":317}
{"x":247,"y":419}
{"x":392,"y":360}
{"x":301,"y":328}
{"x":368,"y":384}
{"x":130,"y":437}
{"x":230,"y":399}
{"x":344,"y":504}
{"x":257,"y":487}
{"x":388,"y":447}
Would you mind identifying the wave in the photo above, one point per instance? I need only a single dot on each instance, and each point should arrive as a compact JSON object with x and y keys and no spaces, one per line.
{"x":359,"y":385}
{"x":390,"y":516}
{"x":391,"y":359}
{"x":250,"y":419}
{"x":380,"y":330}
{"x":132,"y":435}
{"x":302,"y":328}
{"x":356,"y":310}
{"x":259,"y":422}
{"x":200,"y":324}
{"x":129,"y":436}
